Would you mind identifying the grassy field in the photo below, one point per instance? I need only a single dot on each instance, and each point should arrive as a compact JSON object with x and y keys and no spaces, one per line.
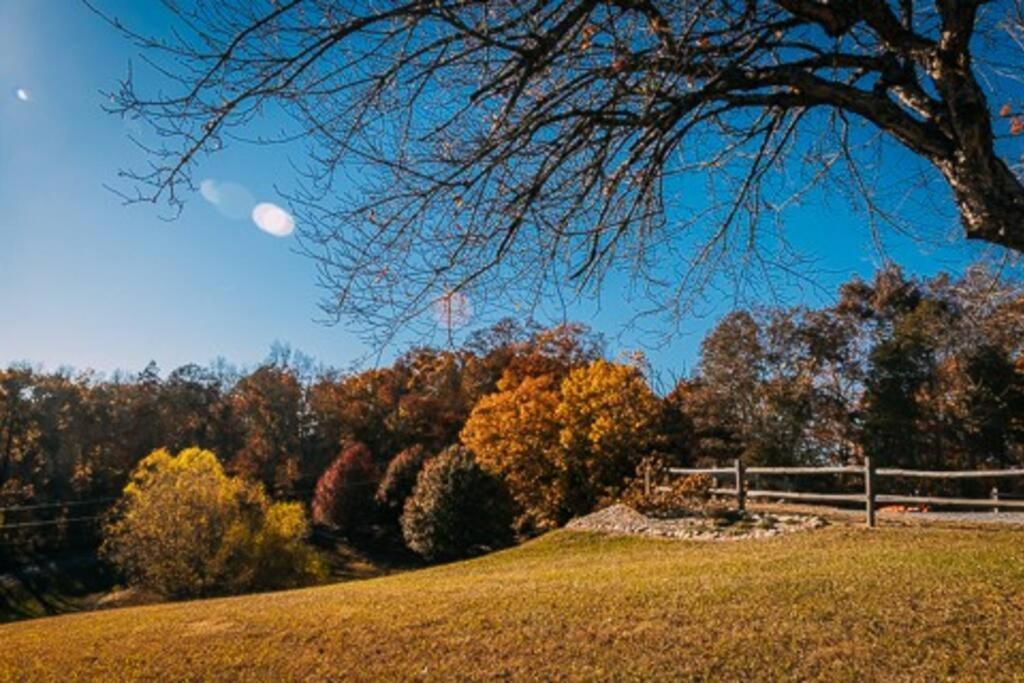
{"x":840,"y":603}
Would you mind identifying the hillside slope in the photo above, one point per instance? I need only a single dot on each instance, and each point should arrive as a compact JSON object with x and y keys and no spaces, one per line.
{"x":839,"y":603}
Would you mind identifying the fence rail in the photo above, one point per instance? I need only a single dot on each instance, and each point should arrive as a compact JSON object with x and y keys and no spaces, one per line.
{"x":953,"y":502}
{"x":870,"y":498}
{"x":710,"y":471}
{"x":957,"y":474}
{"x":844,"y":469}
{"x":797,"y":495}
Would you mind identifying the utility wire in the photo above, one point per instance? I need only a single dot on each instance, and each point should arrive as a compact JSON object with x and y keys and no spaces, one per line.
{"x":59,"y":504}
{"x":48,"y":522}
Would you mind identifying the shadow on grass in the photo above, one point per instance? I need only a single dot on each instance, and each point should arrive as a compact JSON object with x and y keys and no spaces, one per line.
{"x":47,"y":585}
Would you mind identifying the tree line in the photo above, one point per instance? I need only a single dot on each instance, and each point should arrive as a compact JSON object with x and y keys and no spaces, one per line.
{"x":925,"y":373}
{"x":914,"y":373}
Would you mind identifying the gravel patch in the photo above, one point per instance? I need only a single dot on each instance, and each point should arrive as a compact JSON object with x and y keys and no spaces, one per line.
{"x":623,"y":520}
{"x":1013,"y":518}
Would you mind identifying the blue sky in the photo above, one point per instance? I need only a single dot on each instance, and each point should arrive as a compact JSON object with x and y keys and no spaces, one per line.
{"x":88,"y":282}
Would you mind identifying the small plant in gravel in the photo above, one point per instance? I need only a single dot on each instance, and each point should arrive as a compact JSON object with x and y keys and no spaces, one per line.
{"x":668,"y":496}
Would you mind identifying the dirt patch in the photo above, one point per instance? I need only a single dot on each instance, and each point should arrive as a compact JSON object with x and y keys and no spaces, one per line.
{"x":126,"y":597}
{"x":205,"y":627}
{"x":624,"y":520}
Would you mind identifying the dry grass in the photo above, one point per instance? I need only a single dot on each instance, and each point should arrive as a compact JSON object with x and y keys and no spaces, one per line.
{"x":835,"y":604}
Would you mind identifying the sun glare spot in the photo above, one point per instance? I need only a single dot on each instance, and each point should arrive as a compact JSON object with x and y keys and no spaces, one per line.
{"x":273,"y":220}
{"x":230,"y":199}
{"x":208,"y":188}
{"x":22,"y":94}
{"x":453,"y":310}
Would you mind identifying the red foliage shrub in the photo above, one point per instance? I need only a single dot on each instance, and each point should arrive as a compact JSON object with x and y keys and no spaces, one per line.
{"x":344,"y":497}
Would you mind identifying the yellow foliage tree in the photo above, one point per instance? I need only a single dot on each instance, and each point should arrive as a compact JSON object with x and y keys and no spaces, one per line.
{"x":183,"y":528}
{"x":610,"y":421}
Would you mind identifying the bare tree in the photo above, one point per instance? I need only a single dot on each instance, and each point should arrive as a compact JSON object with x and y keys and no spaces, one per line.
{"x":494,"y":148}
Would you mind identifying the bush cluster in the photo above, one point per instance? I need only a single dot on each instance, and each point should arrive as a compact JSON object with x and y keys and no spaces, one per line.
{"x":185,"y":529}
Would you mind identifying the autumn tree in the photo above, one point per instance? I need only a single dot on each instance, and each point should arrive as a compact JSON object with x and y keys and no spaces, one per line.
{"x":185,"y":529}
{"x":514,"y":433}
{"x":609,"y":422}
{"x":344,"y":497}
{"x":563,"y":446}
{"x":194,"y":412}
{"x":267,"y":403}
{"x":435,"y":400}
{"x":722,"y":399}
{"x":358,"y":407}
{"x":754,"y":393}
{"x":554,"y":351}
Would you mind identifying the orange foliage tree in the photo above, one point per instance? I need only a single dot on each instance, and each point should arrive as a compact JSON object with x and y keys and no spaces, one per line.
{"x":514,"y":433}
{"x":563,"y":447}
{"x":267,"y":404}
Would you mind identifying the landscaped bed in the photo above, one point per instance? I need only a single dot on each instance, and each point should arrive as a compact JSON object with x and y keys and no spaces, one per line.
{"x":710,"y":525}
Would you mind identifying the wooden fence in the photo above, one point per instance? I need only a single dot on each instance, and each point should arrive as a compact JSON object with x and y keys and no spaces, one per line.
{"x":870,"y":498}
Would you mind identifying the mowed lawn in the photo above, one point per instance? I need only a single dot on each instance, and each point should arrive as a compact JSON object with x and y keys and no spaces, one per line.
{"x":840,"y":603}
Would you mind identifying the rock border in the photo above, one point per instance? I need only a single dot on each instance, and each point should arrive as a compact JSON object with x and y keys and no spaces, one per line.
{"x":622,"y":520}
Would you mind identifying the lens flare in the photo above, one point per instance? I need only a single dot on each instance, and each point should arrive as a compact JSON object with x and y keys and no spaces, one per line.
{"x":230,"y":199}
{"x":453,"y":310}
{"x":273,"y":220}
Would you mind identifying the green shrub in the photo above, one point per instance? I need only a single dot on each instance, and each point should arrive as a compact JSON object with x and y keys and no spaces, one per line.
{"x":399,"y":480}
{"x":183,"y":528}
{"x":456,"y":509}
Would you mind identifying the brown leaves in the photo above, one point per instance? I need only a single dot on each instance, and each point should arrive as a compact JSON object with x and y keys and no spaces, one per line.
{"x":1016,"y":123}
{"x":588,"y":34}
{"x":658,"y":25}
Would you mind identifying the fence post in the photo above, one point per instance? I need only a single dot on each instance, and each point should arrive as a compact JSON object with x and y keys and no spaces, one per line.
{"x":741,"y":487}
{"x":869,"y":491}
{"x":647,"y":480}
{"x":995,"y":497}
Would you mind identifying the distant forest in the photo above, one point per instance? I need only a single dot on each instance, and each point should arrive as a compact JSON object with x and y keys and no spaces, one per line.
{"x":915,"y":373}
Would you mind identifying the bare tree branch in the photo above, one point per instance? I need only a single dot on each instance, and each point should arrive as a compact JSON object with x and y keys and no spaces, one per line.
{"x":494,"y":147}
